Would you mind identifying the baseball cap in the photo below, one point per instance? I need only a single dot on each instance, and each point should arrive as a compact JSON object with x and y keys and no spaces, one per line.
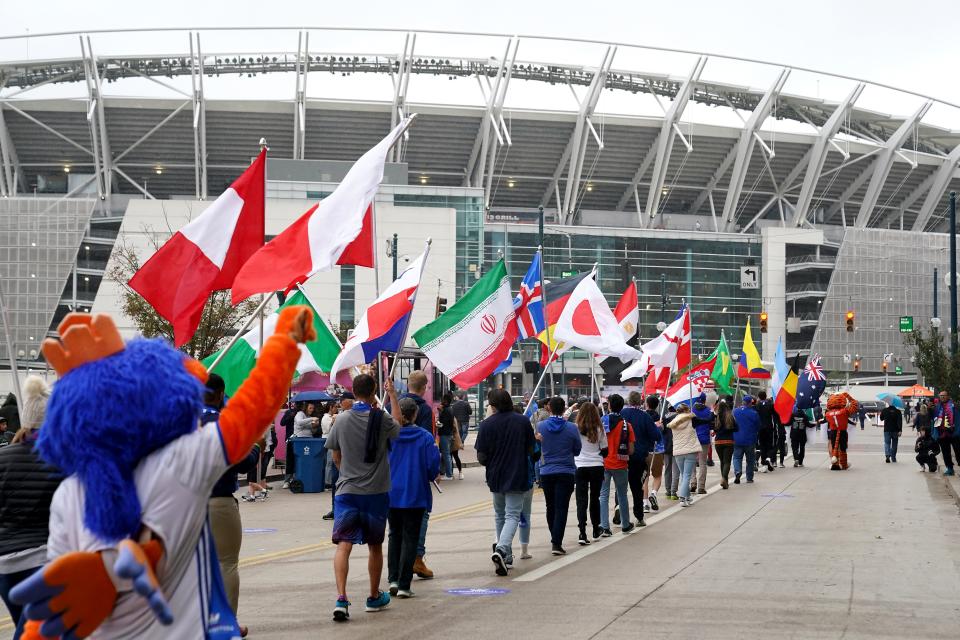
{"x":747,"y":399}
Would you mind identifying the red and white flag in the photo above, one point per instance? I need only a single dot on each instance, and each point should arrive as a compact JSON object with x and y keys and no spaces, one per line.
{"x":587,"y":322}
{"x":627,"y":313}
{"x":338,"y":230}
{"x":692,"y":384}
{"x":670,"y":351}
{"x":206,"y":254}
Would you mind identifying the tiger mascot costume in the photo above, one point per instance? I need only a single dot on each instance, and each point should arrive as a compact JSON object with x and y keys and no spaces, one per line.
{"x":841,"y":409}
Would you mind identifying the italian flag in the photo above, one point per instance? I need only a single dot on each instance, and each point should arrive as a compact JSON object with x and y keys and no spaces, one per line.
{"x":475,"y":335}
{"x":314,"y":356}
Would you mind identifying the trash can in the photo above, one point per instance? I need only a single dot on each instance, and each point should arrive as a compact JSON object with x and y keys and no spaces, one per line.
{"x":311,"y":455}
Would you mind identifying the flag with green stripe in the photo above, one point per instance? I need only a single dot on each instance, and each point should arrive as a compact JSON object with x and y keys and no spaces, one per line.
{"x":314,"y":356}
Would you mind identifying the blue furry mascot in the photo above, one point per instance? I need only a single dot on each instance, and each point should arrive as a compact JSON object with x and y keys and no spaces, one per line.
{"x":130,"y":551}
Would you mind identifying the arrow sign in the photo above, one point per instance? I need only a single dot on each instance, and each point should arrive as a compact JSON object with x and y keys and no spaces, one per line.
{"x":748,"y":278}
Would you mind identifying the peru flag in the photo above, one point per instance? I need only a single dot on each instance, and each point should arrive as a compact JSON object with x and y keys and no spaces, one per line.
{"x":206,"y":254}
{"x":338,"y":230}
{"x":383,"y":325}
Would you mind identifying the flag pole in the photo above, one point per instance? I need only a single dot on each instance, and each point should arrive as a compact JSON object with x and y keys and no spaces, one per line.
{"x":239,"y":334}
{"x":263,"y":149}
{"x":543,"y":375}
{"x":413,"y":304}
{"x":543,"y":304}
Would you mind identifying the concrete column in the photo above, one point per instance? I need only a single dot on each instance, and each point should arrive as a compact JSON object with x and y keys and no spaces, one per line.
{"x":773,"y":279}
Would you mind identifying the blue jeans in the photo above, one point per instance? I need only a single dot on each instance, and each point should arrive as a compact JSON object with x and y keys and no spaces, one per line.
{"x":619,"y":477}
{"x":507,"y":508}
{"x":422,"y":542}
{"x":890,"y":442}
{"x":687,"y":462}
{"x":7,"y":582}
{"x":525,"y":517}
{"x":446,"y":462}
{"x":738,"y":452}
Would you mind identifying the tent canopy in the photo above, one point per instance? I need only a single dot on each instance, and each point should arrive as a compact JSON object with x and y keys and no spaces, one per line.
{"x":916,"y":391}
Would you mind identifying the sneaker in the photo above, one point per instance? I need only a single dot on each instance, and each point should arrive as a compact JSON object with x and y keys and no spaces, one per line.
{"x":689,"y":500}
{"x":801,"y":464}
{"x":450,"y":477}
{"x":341,"y":611}
{"x":948,"y":472}
{"x":394,"y":588}
{"x":582,"y":540}
{"x":641,"y":523}
{"x":796,"y":464}
{"x":674,"y":497}
{"x":653,"y":502}
{"x":646,"y":507}
{"x":630,"y":527}
{"x":781,"y":464}
{"x":893,"y":459}
{"x":605,"y":533}
{"x":736,"y":479}
{"x":887,"y":460}
{"x":749,"y":480}
{"x":685,"y":502}
{"x":405,"y":593}
{"x":525,"y":555}
{"x":460,"y":475}
{"x":557,"y":550}
{"x":702,"y":492}
{"x":381,"y":602}
{"x":710,"y":463}
{"x":328,"y":515}
{"x":769,"y":465}
{"x":596,"y":532}
{"x":499,"y":561}
{"x":616,"y":515}
{"x":248,"y":498}
{"x":286,"y":485}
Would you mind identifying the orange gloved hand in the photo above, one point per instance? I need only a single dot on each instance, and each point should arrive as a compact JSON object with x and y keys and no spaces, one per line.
{"x":31,"y":631}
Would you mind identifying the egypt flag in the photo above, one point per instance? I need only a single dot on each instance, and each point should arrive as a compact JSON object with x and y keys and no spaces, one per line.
{"x":338,"y":230}
{"x":205,"y":255}
{"x":787,"y":394}
{"x":555,"y":295}
{"x":383,"y":326}
{"x":586,"y":322}
{"x":627,"y":313}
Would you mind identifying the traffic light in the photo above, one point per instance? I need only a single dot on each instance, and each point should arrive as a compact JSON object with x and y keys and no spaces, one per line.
{"x":441,"y":305}
{"x":856,"y":364}
{"x":763,"y":322}
{"x":850,"y":317}
{"x":884,"y":365}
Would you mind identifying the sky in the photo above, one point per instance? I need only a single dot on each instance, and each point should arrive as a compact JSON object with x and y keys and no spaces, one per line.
{"x":909,"y":45}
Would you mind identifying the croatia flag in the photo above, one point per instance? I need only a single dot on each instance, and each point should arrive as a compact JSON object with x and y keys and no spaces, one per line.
{"x":383,"y":325}
{"x":691,"y":384}
{"x":529,"y":307}
{"x":205,"y":255}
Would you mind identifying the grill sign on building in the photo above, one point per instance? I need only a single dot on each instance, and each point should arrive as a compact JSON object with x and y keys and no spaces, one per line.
{"x":906,"y":324}
{"x":748,"y":277}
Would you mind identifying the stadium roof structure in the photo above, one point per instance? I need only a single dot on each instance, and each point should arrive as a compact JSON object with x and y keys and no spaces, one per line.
{"x":791,"y":158}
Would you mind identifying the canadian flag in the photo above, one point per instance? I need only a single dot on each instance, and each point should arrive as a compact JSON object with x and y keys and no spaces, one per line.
{"x":587,"y":322}
{"x":338,"y":230}
{"x":205,"y":255}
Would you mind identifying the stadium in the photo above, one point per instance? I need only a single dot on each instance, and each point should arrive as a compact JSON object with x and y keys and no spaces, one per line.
{"x":738,"y":186}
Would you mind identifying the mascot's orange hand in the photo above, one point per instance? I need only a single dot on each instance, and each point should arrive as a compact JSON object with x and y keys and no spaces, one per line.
{"x":72,"y":595}
{"x":31,"y":631}
{"x":297,"y":322}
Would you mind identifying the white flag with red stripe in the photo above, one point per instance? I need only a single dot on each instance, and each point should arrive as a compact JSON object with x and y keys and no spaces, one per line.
{"x":206,"y":255}
{"x":340,"y":225}
{"x":627,"y":313}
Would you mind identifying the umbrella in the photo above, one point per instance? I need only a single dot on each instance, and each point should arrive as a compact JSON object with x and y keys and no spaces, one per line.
{"x":916,"y":391}
{"x":313,"y":396}
{"x":891,"y":399}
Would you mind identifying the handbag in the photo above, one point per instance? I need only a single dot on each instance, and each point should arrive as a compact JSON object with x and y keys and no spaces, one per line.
{"x":456,"y":444}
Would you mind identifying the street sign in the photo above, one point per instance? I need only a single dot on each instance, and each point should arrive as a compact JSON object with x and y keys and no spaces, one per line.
{"x":898,"y":370}
{"x":748,"y":277}
{"x":906,"y":324}
{"x":568,"y":274}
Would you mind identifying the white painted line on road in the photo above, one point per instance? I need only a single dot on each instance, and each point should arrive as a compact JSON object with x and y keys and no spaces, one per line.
{"x":603,"y":543}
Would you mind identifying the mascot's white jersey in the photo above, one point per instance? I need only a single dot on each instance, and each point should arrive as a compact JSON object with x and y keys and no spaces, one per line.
{"x":173,"y":484}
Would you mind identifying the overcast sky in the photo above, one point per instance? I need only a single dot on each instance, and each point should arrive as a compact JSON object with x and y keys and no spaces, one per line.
{"x":913,"y":45}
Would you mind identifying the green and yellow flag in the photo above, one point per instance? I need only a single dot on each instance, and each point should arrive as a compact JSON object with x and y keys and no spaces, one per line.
{"x":722,"y":373}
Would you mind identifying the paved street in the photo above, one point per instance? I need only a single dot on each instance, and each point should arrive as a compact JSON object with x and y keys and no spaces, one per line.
{"x":802,"y":553}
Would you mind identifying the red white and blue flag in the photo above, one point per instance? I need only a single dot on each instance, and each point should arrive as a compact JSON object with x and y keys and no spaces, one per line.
{"x":528,"y":305}
{"x":691,"y":384}
{"x":383,"y":325}
{"x":812,"y":383}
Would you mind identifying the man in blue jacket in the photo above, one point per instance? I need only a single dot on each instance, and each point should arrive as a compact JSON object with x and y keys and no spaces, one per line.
{"x":745,"y":438}
{"x":560,"y":442}
{"x":647,"y":436}
{"x":414,"y":462}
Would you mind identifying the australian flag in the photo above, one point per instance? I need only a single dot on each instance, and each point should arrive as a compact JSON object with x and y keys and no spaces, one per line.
{"x":811,"y":384}
{"x":528,"y":305}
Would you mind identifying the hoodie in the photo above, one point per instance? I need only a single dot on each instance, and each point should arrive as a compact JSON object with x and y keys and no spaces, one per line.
{"x":424,"y":417}
{"x":684,"y":435}
{"x":414,"y":462}
{"x":560,"y":443}
{"x":9,"y":411}
{"x":748,"y":426}
{"x":644,"y":430}
{"x":703,"y":419}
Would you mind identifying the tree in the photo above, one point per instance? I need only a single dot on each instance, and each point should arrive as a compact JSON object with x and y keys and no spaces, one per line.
{"x":933,"y":360}
{"x":219,"y":322}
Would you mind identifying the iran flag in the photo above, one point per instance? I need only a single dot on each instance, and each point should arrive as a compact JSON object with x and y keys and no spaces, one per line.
{"x":206,"y":255}
{"x":338,"y":230}
{"x":587,"y":322}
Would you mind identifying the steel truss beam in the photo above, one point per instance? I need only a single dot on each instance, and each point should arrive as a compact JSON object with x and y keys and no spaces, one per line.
{"x":941,"y":178}
{"x":883,"y":164}
{"x":748,"y":138}
{"x":663,"y":146}
{"x":484,"y":151}
{"x":11,"y":177}
{"x":400,"y":82}
{"x":818,"y":155}
{"x":102,"y":158}
{"x":300,"y":95}
{"x":199,"y":105}
{"x":778,"y":198}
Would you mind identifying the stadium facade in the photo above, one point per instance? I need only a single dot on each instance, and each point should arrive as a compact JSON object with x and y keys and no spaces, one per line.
{"x":735,"y":199}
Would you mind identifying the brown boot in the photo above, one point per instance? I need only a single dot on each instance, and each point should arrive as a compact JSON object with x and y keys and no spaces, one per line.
{"x":421,"y":569}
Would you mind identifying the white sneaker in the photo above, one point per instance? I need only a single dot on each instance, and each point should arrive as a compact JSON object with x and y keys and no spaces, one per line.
{"x":684,"y":502}
{"x":461,"y":475}
{"x":285,"y":485}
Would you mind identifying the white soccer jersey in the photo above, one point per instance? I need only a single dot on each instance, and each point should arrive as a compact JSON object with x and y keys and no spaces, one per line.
{"x":173,"y":485}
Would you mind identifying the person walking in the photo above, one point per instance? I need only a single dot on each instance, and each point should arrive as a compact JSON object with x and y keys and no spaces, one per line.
{"x":922,"y":417}
{"x":359,"y":442}
{"x":686,"y":450}
{"x":799,"y":423}
{"x":945,"y":431}
{"x":892,"y":430}
{"x":646,"y":435}
{"x":462,"y":411}
{"x":416,"y":390}
{"x":505,"y":441}
{"x":305,"y":424}
{"x":724,"y":428}
{"x":862,"y":416}
{"x":703,"y":423}
{"x":445,"y":428}
{"x":560,"y":445}
{"x":745,"y":439}
{"x":766,"y":436}
{"x":331,"y":473}
{"x":526,"y":510}
{"x":414,"y":463}
{"x":28,"y":486}
{"x":655,"y":460}
{"x":671,"y":473}
{"x":927,"y":449}
{"x":589,"y":477}
{"x":620,"y":446}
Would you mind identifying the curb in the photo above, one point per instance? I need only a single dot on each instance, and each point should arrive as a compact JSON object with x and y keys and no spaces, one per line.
{"x":953,"y":490}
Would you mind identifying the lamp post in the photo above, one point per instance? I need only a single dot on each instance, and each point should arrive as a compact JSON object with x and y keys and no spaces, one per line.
{"x":953,"y":273}
{"x":393,"y":252}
